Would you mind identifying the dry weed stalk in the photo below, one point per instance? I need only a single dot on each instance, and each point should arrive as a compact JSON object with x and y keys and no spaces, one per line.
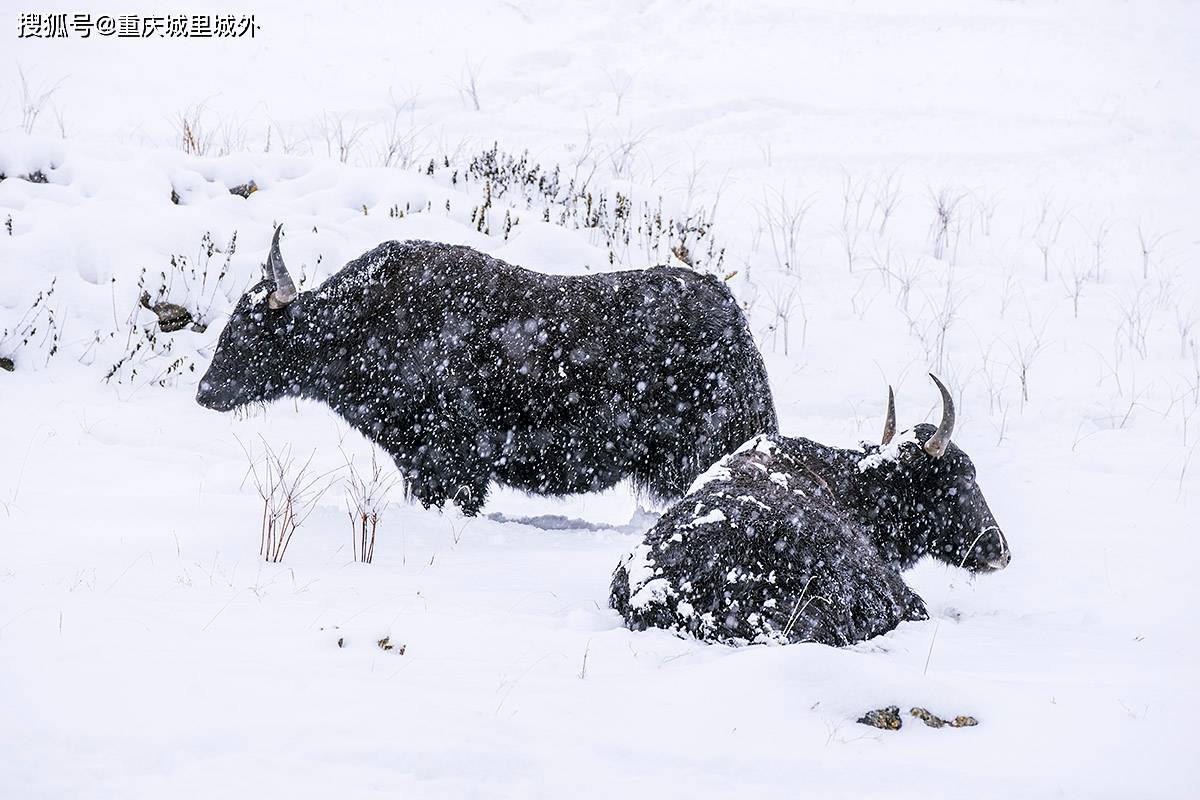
{"x":290,"y":493}
{"x":366,"y":500}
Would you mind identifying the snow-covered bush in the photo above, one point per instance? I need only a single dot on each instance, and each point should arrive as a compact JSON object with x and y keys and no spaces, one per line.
{"x":634,"y":233}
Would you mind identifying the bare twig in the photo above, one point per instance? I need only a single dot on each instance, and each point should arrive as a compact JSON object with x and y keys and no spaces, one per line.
{"x":783,"y":217}
{"x":194,"y":137}
{"x":620,"y":82}
{"x":887,"y":197}
{"x":341,"y":135}
{"x":290,"y":493}
{"x":945,"y":217}
{"x":1149,"y":242}
{"x":33,"y":99}
{"x":366,"y":499}
{"x":1046,"y":234}
{"x":468,"y":83}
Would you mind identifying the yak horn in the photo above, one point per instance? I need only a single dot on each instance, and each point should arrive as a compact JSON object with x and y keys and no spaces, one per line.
{"x":889,"y":423}
{"x":285,"y":290}
{"x":937,"y":444}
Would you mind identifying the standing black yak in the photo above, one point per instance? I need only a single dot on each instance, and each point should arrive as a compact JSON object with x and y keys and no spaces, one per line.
{"x":466,"y":369}
{"x":787,"y":540}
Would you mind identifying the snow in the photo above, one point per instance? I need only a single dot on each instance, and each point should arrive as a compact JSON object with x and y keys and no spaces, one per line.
{"x":718,"y":471}
{"x":715,"y":515}
{"x":147,"y":651}
{"x":656,"y":590}
{"x":887,"y":453}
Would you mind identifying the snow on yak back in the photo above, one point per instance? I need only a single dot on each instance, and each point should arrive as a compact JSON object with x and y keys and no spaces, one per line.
{"x":787,"y":540}
{"x":466,"y":369}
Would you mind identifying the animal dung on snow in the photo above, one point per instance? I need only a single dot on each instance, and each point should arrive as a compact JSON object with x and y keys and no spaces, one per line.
{"x":934,"y":721}
{"x":887,"y":719}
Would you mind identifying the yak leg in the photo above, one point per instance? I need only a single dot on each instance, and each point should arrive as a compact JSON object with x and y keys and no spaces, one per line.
{"x":435,"y":476}
{"x":447,"y":466}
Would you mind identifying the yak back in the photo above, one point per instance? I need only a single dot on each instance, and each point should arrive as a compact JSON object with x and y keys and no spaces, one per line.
{"x":645,"y":372}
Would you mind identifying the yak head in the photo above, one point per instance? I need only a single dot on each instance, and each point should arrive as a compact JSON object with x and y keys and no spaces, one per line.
{"x":940,"y":507}
{"x":256,"y":359}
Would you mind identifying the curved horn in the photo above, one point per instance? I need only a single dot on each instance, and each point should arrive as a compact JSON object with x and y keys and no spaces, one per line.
{"x":285,"y":290}
{"x":937,"y":444}
{"x":889,"y":423}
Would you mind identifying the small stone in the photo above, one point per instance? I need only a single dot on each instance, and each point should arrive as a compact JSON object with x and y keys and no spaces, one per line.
{"x":172,"y":317}
{"x":7,"y":364}
{"x":174,"y":197}
{"x":244,"y":189}
{"x":963,"y":721}
{"x":887,"y":719}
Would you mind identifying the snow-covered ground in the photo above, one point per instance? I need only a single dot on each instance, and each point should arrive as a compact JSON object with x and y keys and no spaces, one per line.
{"x":147,"y":651}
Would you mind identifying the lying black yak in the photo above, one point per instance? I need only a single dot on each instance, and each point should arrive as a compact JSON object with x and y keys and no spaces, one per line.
{"x":468,"y":370}
{"x":787,"y":540}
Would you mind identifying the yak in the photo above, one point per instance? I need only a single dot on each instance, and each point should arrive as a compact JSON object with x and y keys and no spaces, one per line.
{"x":467,"y":370}
{"x":787,"y":540}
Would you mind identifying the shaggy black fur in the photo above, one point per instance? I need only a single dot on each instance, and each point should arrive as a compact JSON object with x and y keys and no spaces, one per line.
{"x":788,"y":540}
{"x":466,"y":370}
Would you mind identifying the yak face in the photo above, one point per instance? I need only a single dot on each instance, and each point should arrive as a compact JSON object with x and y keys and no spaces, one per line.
{"x":256,"y":359}
{"x":253,"y":359}
{"x":948,"y":513}
{"x":931,"y":483}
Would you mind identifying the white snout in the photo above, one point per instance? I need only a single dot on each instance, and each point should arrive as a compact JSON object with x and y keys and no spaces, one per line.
{"x":1001,"y":561}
